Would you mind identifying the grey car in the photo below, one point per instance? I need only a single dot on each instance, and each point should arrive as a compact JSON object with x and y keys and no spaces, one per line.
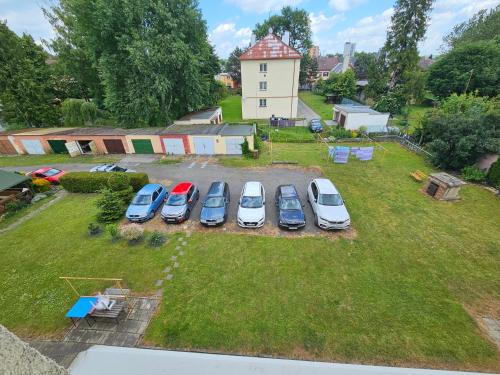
{"x":179,"y":204}
{"x":216,"y":204}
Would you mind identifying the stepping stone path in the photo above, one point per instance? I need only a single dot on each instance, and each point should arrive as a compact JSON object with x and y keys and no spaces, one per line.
{"x":184,"y":243}
{"x":181,"y":252}
{"x":176,"y":265}
{"x":169,"y":276}
{"x":173,"y":257}
{"x":158,"y":282}
{"x":177,"y":248}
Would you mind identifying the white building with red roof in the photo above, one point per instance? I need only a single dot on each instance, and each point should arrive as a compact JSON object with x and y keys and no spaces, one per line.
{"x":270,"y":79}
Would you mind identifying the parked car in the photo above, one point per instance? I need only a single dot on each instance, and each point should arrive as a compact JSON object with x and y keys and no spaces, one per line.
{"x":216,"y":204}
{"x":110,"y":168}
{"x":327,"y":204}
{"x":315,"y":126}
{"x":289,"y":208}
{"x":180,"y":202}
{"x":146,"y":202}
{"x":252,"y":206}
{"x":48,"y":173}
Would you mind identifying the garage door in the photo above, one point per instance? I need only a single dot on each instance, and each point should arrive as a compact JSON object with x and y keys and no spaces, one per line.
{"x":114,"y":146}
{"x":7,"y":148}
{"x":33,"y":147}
{"x":143,"y":146}
{"x":174,"y":146}
{"x":58,"y":146}
{"x":233,"y":145}
{"x":203,"y":145}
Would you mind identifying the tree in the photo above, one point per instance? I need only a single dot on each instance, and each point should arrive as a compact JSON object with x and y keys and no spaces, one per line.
{"x":363,"y":61}
{"x":469,"y":67}
{"x":341,"y":85}
{"x":26,"y":94}
{"x":152,"y":58}
{"x":461,"y":130}
{"x":297,"y":22}
{"x":483,"y":26}
{"x":233,"y":64}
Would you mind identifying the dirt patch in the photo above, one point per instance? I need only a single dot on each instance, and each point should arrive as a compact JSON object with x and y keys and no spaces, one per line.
{"x":486,"y":314}
{"x":269,"y":229}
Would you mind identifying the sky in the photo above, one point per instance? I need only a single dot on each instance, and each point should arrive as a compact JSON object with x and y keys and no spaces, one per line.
{"x":333,"y":22}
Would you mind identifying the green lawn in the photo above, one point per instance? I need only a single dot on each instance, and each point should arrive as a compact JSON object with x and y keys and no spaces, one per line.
{"x":231,"y":108}
{"x":415,"y":115}
{"x":317,"y":103}
{"x":293,"y":134}
{"x":6,"y":221}
{"x":27,"y":160}
{"x":396,"y":293}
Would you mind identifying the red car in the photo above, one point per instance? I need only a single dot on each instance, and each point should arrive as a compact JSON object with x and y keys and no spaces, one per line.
{"x":48,"y":173}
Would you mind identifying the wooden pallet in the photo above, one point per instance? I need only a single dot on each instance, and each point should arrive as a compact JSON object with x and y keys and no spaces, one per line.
{"x":418,"y":176}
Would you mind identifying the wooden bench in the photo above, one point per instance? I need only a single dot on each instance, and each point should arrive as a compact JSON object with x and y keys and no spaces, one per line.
{"x":418,"y":175}
{"x":113,"y":313}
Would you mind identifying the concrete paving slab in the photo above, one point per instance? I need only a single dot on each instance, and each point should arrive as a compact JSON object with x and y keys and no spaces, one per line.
{"x":62,"y":352}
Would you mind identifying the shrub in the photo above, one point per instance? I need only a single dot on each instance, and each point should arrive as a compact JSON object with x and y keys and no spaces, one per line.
{"x":473,"y":173}
{"x":14,"y":206}
{"x":94,"y":229}
{"x":133,"y":233}
{"x":113,"y":231}
{"x":156,"y":239}
{"x":340,"y":133}
{"x":91,"y":182}
{"x":111,"y":206}
{"x":118,"y":181}
{"x":493,"y":177}
{"x":245,"y":149}
{"x":41,"y":185}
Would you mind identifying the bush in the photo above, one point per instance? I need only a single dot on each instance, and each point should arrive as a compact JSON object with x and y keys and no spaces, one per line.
{"x":111,"y":205}
{"x":93,"y":182}
{"x":474,"y":174}
{"x":113,"y":231}
{"x":493,"y":177}
{"x":118,"y":181}
{"x":94,"y":229}
{"x":133,"y":233}
{"x":340,"y":133}
{"x":41,"y":185}
{"x":156,"y":239}
{"x":245,"y":149}
{"x":14,"y":206}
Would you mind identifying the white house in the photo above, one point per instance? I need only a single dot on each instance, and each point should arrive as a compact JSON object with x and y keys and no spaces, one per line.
{"x":270,"y":79}
{"x":352,"y":117}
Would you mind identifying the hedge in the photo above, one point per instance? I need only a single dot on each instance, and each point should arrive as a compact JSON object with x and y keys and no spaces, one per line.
{"x":92,"y":182}
{"x":493,"y":176}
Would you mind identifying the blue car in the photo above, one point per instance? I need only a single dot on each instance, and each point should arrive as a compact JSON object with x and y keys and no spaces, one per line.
{"x":216,"y":204}
{"x":146,"y":202}
{"x":315,"y":126}
{"x":290,"y":212}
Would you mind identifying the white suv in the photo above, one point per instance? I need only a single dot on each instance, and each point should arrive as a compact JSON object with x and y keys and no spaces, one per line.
{"x":327,"y":204}
{"x":252,"y":209}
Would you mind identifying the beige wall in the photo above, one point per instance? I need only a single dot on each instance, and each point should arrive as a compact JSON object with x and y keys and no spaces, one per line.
{"x":282,"y":79}
{"x":155,"y":142}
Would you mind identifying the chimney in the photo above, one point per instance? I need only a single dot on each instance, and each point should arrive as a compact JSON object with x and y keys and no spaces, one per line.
{"x":348,"y":54}
{"x":252,"y":40}
{"x":270,"y":30}
{"x":286,"y":38}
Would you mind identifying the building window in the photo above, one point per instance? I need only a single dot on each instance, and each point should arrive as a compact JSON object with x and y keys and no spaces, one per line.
{"x":263,"y":67}
{"x":262,"y":102}
{"x":263,"y":86}
{"x":325,"y":74}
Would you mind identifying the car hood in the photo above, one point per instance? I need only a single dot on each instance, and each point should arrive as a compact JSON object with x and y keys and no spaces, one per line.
{"x":136,"y":209}
{"x":333,"y":213}
{"x":173,"y":210}
{"x":251,"y":214}
{"x":212,"y":213}
{"x":99,"y":168}
{"x":292,"y":216}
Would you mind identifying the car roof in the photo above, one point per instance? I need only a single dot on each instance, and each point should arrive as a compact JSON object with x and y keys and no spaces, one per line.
{"x":288,"y":191}
{"x":252,"y":189}
{"x":148,"y":189}
{"x":325,"y":186}
{"x":41,"y":170}
{"x":181,"y":188}
{"x":216,"y":188}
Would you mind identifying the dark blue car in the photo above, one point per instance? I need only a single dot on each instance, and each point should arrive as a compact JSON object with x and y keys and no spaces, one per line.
{"x":290,"y":212}
{"x":215,"y":205}
{"x":315,"y":126}
{"x":146,"y":202}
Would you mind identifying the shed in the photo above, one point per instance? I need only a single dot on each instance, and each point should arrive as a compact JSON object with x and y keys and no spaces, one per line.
{"x":353,"y":116}
{"x":443,"y":186}
{"x":145,"y":141}
{"x":205,"y":116}
{"x":14,"y":186}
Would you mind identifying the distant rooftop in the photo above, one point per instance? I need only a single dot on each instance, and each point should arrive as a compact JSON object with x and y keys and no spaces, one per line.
{"x":270,"y":47}
{"x":201,"y":129}
{"x":352,"y":108}
{"x":326,"y":63}
{"x":203,"y":114}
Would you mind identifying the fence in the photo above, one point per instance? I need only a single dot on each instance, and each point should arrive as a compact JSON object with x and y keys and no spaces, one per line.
{"x":405,"y":142}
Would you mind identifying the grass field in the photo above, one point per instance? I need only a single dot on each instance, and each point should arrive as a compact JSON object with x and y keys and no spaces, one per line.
{"x":415,"y":115}
{"x":396,"y":293}
{"x":26,"y":160}
{"x":6,"y":221}
{"x":317,"y":103}
{"x":231,"y":108}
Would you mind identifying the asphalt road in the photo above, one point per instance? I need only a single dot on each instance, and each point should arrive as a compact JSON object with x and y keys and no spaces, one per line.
{"x":304,"y":111}
{"x":204,"y":170}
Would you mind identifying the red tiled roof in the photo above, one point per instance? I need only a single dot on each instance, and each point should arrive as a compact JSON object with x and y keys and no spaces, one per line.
{"x":326,"y":63}
{"x":270,"y":47}
{"x":181,"y":188}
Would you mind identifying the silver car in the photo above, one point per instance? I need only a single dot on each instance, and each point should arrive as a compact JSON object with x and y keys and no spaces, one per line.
{"x":179,"y":204}
{"x":110,"y":168}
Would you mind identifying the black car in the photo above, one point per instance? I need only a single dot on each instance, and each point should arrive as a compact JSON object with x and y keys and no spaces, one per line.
{"x":290,"y":212}
{"x":215,"y":205}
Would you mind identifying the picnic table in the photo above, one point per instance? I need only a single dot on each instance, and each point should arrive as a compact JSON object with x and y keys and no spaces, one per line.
{"x":82,"y":307}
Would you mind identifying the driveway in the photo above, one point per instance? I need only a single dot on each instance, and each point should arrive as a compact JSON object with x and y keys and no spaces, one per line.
{"x":203,"y":170}
{"x":304,"y":111}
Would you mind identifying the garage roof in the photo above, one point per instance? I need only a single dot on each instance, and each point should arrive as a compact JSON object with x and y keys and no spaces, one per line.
{"x":95,"y":131}
{"x":241,"y":129}
{"x":203,"y":114}
{"x":223,"y":130}
{"x":9,"y":179}
{"x":350,"y":108}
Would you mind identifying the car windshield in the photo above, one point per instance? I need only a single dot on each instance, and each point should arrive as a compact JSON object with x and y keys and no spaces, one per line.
{"x":251,"y":202}
{"x":290,"y":204}
{"x":176,"y":200}
{"x":141,"y":200}
{"x":118,"y":169}
{"x":214,"y":202}
{"x":51,"y":172}
{"x":330,"y":200}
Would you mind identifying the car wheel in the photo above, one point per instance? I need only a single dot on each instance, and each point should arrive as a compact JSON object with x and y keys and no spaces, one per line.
{"x":151,"y":215}
{"x":188,"y":213}
{"x":316,"y":220}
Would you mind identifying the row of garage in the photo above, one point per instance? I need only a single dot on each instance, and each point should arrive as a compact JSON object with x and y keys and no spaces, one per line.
{"x":175,"y":140}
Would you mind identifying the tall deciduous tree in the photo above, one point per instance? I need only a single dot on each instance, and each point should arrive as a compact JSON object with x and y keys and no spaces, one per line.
{"x":233,"y":65}
{"x":296,"y":21}
{"x":341,"y":85}
{"x":26,"y":94}
{"x":152,"y":58}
